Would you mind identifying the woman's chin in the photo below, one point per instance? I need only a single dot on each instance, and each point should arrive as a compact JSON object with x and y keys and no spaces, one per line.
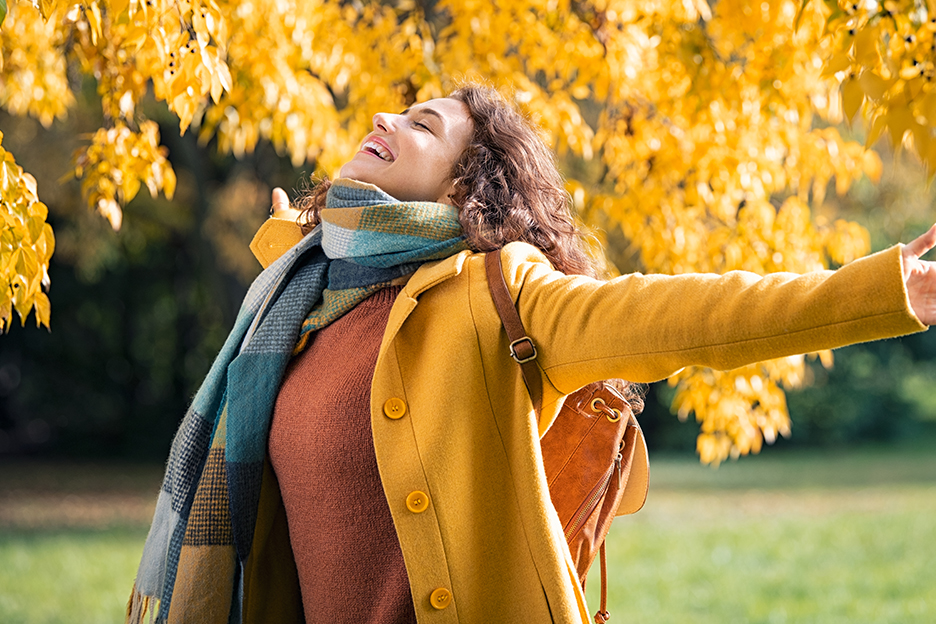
{"x":360,"y":171}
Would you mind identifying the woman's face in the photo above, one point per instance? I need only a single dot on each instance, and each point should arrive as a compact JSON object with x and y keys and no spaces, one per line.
{"x":410,"y":156}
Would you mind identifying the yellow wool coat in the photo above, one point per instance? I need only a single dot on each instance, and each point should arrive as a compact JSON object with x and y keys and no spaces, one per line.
{"x":453,"y":423}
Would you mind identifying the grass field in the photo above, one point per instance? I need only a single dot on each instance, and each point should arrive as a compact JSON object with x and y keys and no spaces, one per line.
{"x":805,"y":537}
{"x":786,"y":537}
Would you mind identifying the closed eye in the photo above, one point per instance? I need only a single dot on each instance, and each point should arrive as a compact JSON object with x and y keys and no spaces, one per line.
{"x":423,"y":111}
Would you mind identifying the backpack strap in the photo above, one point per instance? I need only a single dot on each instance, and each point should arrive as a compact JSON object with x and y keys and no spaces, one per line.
{"x":522,"y":349}
{"x":602,"y":616}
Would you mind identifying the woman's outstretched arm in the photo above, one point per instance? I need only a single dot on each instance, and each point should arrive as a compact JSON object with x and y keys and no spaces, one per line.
{"x":645,"y":327}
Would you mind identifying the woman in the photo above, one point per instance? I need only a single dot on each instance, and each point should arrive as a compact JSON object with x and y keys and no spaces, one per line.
{"x":400,"y":479}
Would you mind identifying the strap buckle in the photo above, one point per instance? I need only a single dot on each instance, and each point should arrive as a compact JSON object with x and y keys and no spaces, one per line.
{"x":519,"y":359}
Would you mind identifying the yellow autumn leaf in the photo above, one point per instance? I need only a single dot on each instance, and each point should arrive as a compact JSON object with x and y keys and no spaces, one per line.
{"x":878,"y":125}
{"x":6,"y":309}
{"x":838,"y":62}
{"x":169,"y":182}
{"x":928,"y":108}
{"x":866,"y":44}
{"x":43,"y":309}
{"x":93,"y":13}
{"x":135,"y":38}
{"x":46,"y":8}
{"x":899,"y":121}
{"x":852,"y":97}
{"x":873,"y":85}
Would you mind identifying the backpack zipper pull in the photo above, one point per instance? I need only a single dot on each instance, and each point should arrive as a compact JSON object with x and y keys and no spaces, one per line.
{"x":617,"y":467}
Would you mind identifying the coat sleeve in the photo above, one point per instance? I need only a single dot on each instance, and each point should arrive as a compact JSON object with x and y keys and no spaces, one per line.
{"x":646,"y":327}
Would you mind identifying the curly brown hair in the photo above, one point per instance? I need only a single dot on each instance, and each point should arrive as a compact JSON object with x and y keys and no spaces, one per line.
{"x":508,"y":188}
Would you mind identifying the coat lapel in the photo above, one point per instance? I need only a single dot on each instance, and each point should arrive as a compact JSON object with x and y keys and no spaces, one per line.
{"x":428,"y":275}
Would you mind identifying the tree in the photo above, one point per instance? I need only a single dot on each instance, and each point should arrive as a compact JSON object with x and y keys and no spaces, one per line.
{"x":705,"y":134}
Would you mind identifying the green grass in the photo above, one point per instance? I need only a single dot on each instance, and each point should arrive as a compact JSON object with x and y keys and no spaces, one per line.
{"x":67,"y":576}
{"x":70,"y":539}
{"x":786,"y":537}
{"x":805,"y":538}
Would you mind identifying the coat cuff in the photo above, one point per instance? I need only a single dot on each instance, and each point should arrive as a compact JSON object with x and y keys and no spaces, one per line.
{"x":898,"y":250}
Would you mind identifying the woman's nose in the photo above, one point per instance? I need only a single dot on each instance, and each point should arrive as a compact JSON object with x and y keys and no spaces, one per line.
{"x":384,"y":122}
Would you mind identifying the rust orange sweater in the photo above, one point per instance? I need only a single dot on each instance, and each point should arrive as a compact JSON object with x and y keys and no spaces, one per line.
{"x":321,"y":447}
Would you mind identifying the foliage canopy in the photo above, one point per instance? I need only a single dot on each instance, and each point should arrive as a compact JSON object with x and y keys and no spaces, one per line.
{"x":706,"y":132}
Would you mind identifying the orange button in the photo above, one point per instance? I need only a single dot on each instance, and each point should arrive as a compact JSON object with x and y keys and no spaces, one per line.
{"x":417,"y":501}
{"x":440,"y":598}
{"x":394,"y":408}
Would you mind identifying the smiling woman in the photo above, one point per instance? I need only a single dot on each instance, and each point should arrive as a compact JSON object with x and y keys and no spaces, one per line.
{"x":364,"y":449}
{"x":411,"y":155}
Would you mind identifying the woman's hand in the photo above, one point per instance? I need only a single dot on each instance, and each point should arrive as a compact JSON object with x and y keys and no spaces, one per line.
{"x":281,"y":208}
{"x":920,"y":277}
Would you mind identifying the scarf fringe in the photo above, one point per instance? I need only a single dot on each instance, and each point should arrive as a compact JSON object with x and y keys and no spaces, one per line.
{"x":139,"y":605}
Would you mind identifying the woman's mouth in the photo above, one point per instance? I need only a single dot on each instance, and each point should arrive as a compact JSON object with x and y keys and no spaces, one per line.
{"x":377,"y":149}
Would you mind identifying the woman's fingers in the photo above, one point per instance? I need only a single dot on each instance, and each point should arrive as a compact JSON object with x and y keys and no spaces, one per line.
{"x":921,"y":244}
{"x":920,"y":277}
{"x":280,"y":201}
{"x":280,"y":207}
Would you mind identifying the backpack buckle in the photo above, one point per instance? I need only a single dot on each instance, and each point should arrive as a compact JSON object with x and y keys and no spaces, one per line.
{"x":527,"y":346}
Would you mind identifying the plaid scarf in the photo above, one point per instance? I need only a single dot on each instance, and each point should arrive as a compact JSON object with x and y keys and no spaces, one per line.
{"x":372,"y":241}
{"x":202,"y":531}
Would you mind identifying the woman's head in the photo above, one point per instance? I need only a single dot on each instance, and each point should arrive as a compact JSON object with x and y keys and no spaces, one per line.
{"x":411,"y":156}
{"x":477,"y":152}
